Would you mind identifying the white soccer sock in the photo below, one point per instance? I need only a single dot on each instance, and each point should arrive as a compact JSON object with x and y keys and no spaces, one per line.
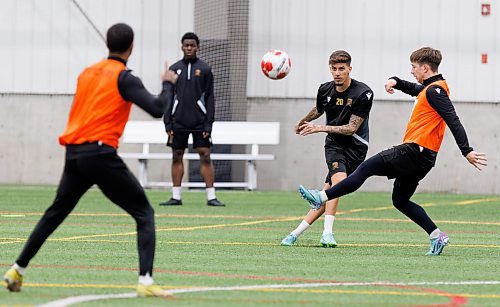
{"x":328,"y":225}
{"x":322,"y":195}
{"x":301,"y":228}
{"x":146,"y":280}
{"x":210,"y":193}
{"x":18,"y":268}
{"x":435,"y":233}
{"x":176,"y":193}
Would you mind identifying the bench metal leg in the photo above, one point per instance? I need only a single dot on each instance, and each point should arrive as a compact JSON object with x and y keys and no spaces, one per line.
{"x":252,"y":175}
{"x":143,"y":172}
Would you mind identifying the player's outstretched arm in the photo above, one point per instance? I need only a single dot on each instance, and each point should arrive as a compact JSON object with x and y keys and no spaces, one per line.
{"x":477,"y":159}
{"x":132,"y":89}
{"x":407,"y":87}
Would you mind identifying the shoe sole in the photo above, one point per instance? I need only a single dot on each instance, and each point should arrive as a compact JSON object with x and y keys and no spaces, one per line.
{"x":303,"y":194}
{"x":438,"y":252}
{"x":13,"y":286}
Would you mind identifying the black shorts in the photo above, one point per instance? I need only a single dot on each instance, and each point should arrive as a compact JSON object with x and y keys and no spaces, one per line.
{"x":408,"y":161}
{"x":180,"y":140}
{"x":338,"y":162}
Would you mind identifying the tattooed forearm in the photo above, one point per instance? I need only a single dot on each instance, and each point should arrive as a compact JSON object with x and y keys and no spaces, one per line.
{"x":349,"y":129}
{"x":312,"y":115}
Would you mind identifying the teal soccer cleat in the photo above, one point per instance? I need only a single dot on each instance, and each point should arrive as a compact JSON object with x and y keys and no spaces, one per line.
{"x":312,"y":197}
{"x":328,"y":240}
{"x":438,"y":244}
{"x":289,"y":240}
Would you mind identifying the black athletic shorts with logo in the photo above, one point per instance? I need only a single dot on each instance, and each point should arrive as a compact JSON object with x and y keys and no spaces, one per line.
{"x":339,"y":162}
{"x":180,"y":140}
{"x":409,"y":161}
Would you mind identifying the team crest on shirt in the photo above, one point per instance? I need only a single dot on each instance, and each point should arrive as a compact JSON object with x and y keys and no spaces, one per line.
{"x":438,"y":90}
{"x":369,"y":95}
{"x":179,"y":71}
{"x":349,"y":102}
{"x":328,"y":98}
{"x":335,"y":165}
{"x":197,"y":72}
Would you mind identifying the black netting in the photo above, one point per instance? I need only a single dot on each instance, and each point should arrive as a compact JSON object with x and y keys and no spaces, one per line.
{"x":223,"y":30}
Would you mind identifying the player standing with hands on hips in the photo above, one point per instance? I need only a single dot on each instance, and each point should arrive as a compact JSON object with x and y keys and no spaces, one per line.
{"x":411,"y":161}
{"x":100,"y":110}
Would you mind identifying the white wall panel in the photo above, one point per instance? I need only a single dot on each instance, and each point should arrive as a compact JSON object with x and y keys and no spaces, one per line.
{"x":7,"y":43}
{"x":495,"y":55}
{"x":46,"y":43}
{"x":380,"y":35}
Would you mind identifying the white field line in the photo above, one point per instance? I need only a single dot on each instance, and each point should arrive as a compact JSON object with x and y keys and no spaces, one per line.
{"x":87,"y":298}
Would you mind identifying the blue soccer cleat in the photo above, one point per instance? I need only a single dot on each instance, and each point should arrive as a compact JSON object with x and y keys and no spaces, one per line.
{"x":327,"y":240}
{"x":438,"y":244}
{"x":289,"y":240}
{"x":312,"y":197}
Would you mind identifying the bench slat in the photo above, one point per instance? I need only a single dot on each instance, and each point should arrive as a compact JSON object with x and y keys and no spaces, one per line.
{"x":201,"y":184}
{"x":231,"y":133}
{"x":195,"y":156}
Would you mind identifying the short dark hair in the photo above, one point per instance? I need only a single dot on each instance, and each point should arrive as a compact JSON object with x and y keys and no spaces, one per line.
{"x":427,"y":55}
{"x":119,"y":37}
{"x":340,"y":56}
{"x":190,"y":35}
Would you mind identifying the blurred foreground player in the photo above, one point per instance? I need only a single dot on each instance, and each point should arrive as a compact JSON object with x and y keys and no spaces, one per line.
{"x":100,"y":110}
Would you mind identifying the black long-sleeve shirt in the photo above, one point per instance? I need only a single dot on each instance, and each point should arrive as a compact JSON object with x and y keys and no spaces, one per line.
{"x":439,"y":101}
{"x":191,"y":107}
{"x":132,"y":89}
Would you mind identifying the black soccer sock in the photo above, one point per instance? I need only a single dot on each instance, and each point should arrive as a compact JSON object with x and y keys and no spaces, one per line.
{"x":374,"y":166}
{"x":418,"y":215}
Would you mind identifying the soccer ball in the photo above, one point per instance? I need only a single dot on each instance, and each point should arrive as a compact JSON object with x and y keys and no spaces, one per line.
{"x":276,"y":64}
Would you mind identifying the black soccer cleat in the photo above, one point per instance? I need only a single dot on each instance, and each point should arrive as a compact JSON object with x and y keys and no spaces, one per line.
{"x":215,"y":203}
{"x":172,"y":202}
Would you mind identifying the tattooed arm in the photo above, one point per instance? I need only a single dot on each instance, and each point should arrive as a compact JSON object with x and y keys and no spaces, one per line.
{"x":349,"y":129}
{"x":312,"y":115}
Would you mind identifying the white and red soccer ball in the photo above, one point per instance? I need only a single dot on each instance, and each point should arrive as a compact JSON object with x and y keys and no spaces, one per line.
{"x":276,"y":64}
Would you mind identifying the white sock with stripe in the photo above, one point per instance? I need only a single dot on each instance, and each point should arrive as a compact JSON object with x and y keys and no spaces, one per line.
{"x":328,"y":225}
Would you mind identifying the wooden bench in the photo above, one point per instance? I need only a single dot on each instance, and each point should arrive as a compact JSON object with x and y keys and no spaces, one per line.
{"x":251,"y":134}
